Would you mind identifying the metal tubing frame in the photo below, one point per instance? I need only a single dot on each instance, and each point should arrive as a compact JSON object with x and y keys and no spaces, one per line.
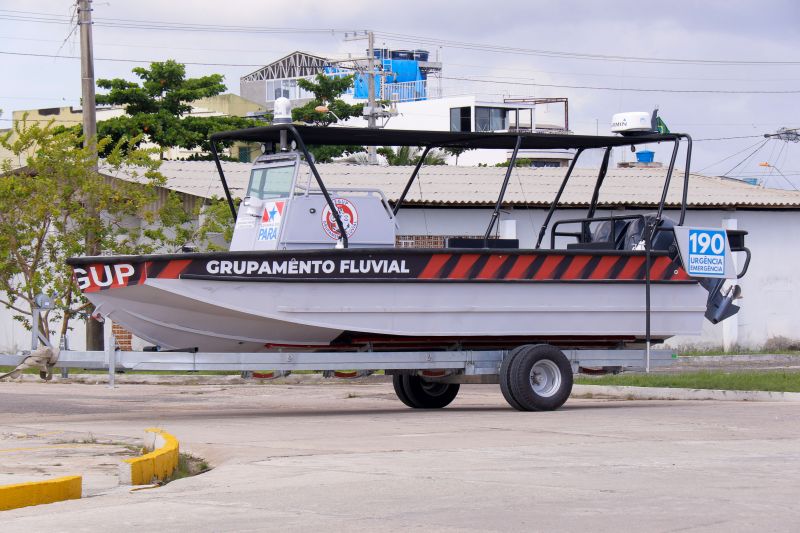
{"x":554,"y":205}
{"x":664,"y":192}
{"x":601,"y":177}
{"x":310,"y":161}
{"x":411,"y":180}
{"x":685,"y":195}
{"x":224,"y":182}
{"x":496,"y":212}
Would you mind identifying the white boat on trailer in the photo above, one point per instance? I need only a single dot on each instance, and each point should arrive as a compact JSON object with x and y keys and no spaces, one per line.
{"x":313,"y":269}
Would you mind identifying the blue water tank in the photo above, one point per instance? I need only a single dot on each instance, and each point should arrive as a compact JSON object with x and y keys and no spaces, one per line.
{"x":645,"y":156}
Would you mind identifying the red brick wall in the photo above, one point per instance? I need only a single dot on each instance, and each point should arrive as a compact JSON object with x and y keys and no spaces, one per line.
{"x":123,"y":336}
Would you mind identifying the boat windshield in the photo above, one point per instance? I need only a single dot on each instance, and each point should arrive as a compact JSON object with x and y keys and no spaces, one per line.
{"x":271,"y":182}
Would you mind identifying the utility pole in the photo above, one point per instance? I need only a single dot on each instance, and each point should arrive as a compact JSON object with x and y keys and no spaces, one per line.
{"x":94,"y":328}
{"x":87,"y":72}
{"x":371,"y":123}
{"x":371,"y":111}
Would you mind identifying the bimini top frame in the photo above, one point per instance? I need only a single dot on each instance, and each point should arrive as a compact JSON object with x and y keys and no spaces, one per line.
{"x":443,"y":139}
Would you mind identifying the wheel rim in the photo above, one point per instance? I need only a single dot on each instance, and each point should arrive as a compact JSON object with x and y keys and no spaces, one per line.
{"x":434,"y":389}
{"x":545,"y":378}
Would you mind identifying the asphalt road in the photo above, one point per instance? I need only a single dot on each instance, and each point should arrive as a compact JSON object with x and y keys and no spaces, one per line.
{"x":351,"y":457}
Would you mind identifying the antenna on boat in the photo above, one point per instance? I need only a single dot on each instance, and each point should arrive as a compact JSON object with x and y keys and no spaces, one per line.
{"x":282,"y":114}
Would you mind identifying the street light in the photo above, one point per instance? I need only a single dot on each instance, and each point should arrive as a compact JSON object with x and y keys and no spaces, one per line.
{"x":324,"y":109}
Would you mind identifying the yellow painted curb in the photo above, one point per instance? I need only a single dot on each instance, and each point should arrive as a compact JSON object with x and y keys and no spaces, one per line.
{"x":158,"y":464}
{"x":39,"y":492}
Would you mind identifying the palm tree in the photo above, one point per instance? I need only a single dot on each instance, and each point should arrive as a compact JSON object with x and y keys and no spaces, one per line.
{"x":410,"y":155}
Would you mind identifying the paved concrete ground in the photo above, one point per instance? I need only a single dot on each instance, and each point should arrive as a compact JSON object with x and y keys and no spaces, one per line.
{"x":44,"y":454}
{"x":351,"y":457}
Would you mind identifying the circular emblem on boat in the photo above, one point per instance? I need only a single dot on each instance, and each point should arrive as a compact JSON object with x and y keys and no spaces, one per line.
{"x":348,"y":214}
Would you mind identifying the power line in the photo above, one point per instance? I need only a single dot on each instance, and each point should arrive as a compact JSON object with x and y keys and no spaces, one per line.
{"x":502,"y":82}
{"x":751,"y":154}
{"x":730,"y":156}
{"x":615,"y":75}
{"x":52,"y":18}
{"x":260,"y":51}
{"x":32,"y":16}
{"x":729,"y":138}
{"x":576,"y":55}
{"x":119,"y":60}
{"x":646,"y":90}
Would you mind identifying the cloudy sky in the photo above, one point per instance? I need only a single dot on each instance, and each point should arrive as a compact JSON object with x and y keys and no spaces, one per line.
{"x":717,"y":69}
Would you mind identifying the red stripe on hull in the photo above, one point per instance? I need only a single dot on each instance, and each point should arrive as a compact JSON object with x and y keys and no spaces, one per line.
{"x":174,"y":268}
{"x":576,"y":267}
{"x":434,"y":266}
{"x":548,"y":267}
{"x":463,"y":266}
{"x":491,"y":267}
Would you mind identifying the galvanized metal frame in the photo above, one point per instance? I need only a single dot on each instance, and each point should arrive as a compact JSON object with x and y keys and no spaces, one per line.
{"x":462,"y":362}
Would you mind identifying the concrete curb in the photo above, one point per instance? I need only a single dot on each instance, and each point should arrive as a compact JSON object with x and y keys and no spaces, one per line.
{"x":40,"y":492}
{"x":668,"y":393}
{"x":158,"y":464}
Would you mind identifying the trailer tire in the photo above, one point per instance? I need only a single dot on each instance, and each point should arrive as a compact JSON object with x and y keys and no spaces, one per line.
{"x":540,"y":377}
{"x":399,"y":389}
{"x":428,"y":394}
{"x":505,"y":379}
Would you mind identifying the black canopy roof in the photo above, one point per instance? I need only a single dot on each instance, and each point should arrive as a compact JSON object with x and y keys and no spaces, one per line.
{"x":386,"y":137}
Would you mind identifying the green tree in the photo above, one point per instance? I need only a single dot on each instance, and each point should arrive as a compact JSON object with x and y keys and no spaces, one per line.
{"x":521,"y":162}
{"x":327,"y":90}
{"x":44,"y":217}
{"x":156,"y":108}
{"x":456,"y":151}
{"x":410,"y":155}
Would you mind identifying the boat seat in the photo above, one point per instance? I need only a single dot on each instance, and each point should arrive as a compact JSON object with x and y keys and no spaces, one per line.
{"x":601,"y":236}
{"x":602,"y":233}
{"x":663,"y":240}
{"x":469,"y":242}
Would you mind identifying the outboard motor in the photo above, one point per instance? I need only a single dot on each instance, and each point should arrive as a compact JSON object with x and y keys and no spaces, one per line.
{"x":720,"y":306}
{"x":706,"y":255}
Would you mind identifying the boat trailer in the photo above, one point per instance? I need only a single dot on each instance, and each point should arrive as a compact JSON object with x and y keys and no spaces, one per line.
{"x":550,"y":375}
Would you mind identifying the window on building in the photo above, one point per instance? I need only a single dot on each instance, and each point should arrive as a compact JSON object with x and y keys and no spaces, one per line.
{"x":288,"y":88}
{"x":520,"y":119}
{"x":541,"y":163}
{"x":244,"y":154}
{"x":491,"y":118}
{"x":460,"y":119}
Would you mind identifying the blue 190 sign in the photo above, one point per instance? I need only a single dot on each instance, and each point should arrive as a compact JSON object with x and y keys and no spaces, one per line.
{"x":706,"y":252}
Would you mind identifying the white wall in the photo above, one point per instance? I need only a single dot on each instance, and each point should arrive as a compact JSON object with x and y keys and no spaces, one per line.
{"x":771,"y":288}
{"x":434,"y":115}
{"x":15,"y":338}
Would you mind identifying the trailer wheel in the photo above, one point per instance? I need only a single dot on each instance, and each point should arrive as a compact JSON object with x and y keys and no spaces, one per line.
{"x":505,"y":379}
{"x":540,"y":377}
{"x":399,"y":389}
{"x":423,"y":394}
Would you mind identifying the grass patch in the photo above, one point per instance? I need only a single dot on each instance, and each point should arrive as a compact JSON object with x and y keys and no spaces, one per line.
{"x":776,"y":381}
{"x":720,"y":351}
{"x":188,"y":465}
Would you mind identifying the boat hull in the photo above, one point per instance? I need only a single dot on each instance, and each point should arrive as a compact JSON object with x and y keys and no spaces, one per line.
{"x":185,"y":302}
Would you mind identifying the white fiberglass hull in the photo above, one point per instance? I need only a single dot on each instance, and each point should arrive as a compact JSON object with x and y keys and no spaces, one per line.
{"x":231,"y":316}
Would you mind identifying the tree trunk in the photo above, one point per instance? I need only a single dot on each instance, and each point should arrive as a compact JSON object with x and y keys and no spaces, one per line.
{"x":94,"y":334}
